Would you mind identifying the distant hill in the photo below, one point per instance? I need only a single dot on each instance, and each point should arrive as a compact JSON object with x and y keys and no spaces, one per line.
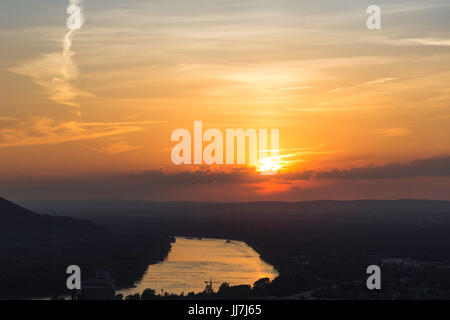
{"x":93,"y":208}
{"x":20,"y":225}
{"x":35,"y":250}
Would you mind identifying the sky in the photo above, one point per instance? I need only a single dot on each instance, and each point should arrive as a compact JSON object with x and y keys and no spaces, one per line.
{"x":361,"y":113}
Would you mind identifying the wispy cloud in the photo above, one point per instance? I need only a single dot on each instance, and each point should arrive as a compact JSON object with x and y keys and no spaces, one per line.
{"x":41,"y":131}
{"x":428,"y":41}
{"x":327,"y":109}
{"x":113,"y":147}
{"x":394,"y":132}
{"x":55,"y":72}
{"x":368,"y":83}
{"x":430,"y":167}
{"x":294,"y":88}
{"x":381,"y":80}
{"x":418,"y":41}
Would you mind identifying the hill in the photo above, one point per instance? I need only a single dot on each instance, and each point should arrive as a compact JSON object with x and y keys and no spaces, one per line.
{"x":21,"y":225}
{"x":36,"y":249}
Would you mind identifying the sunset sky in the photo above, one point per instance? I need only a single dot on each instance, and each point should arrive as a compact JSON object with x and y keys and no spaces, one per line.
{"x":361,"y":113}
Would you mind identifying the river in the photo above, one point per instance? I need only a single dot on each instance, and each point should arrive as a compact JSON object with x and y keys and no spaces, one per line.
{"x":191,"y":262}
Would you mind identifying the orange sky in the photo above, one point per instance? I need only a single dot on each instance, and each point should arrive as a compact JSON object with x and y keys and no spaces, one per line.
{"x":342,"y":96}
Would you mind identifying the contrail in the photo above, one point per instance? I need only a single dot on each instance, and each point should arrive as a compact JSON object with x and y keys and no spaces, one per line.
{"x":55,"y":71}
{"x":67,"y":42}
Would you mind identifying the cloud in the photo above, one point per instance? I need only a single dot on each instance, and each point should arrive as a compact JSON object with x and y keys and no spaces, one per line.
{"x":430,"y":167}
{"x":368,"y":83}
{"x":427,"y":42}
{"x":435,"y":42}
{"x":39,"y":131}
{"x":54,"y":72}
{"x":395,"y":132}
{"x":112,"y":147}
{"x":294,"y":88}
{"x":381,"y":80}
{"x":229,"y":184}
{"x":200,"y":176}
{"x":320,"y":109}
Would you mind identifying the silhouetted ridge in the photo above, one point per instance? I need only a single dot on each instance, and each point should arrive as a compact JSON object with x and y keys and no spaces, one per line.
{"x":21,"y":225}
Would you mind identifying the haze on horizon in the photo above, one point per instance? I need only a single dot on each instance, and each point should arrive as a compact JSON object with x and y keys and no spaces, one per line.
{"x":362,"y":114}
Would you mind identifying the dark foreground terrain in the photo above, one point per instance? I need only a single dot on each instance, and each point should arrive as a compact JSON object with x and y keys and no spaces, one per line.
{"x":321,"y":248}
{"x":35,"y":251}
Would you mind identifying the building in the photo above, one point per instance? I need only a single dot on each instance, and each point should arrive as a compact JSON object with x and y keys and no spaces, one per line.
{"x":102,"y":287}
{"x":407,"y":262}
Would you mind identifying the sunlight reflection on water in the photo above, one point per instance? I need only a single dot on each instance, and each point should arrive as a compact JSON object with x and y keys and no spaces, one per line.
{"x":191,"y":262}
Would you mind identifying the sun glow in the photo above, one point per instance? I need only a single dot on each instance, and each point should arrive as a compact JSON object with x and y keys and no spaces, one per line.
{"x":268,"y":166}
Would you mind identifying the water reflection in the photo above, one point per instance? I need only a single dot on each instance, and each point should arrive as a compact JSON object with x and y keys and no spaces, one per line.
{"x":191,"y":262}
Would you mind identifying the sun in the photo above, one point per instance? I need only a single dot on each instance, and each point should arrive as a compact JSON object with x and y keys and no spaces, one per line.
{"x":268,"y":166}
